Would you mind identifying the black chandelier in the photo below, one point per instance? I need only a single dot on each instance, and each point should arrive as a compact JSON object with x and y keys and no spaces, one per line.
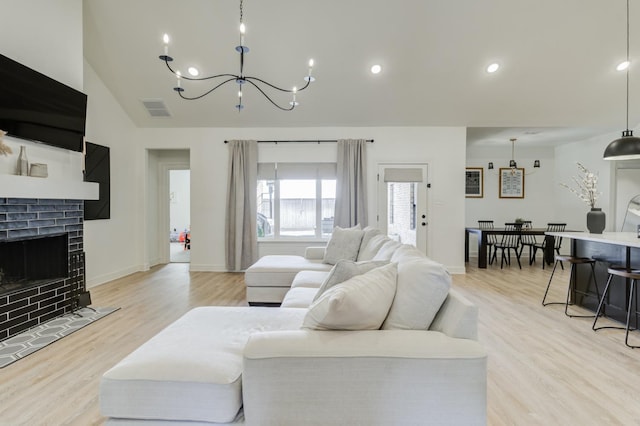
{"x":241,"y":79}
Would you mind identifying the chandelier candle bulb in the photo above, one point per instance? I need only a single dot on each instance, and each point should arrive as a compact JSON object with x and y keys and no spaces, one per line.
{"x":240,"y":78}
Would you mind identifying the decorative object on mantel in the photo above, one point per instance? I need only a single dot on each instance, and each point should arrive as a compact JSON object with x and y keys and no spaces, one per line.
{"x":23,"y":162}
{"x":626,"y":147}
{"x":587,"y":191}
{"x":240,"y":79}
{"x":4,"y":149}
{"x":38,"y":170}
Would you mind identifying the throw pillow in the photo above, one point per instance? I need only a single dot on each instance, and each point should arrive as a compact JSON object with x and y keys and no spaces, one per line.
{"x":423,"y":286}
{"x":405,"y":253}
{"x":344,"y":270}
{"x":344,"y":244}
{"x":370,"y":247}
{"x":387,"y":250}
{"x":360,"y":303}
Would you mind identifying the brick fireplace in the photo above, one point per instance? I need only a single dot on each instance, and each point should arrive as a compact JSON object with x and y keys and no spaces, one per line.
{"x":41,"y":248}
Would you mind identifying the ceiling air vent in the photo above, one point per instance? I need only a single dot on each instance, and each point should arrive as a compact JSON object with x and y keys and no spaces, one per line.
{"x":156,"y":108}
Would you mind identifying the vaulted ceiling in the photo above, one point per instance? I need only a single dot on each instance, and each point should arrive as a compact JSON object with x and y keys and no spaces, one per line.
{"x":557,"y":61}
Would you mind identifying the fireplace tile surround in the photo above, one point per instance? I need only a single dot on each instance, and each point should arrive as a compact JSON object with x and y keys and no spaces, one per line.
{"x":28,"y":218}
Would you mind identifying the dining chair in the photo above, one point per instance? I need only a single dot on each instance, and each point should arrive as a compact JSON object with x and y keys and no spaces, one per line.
{"x":510,"y":241}
{"x":528,"y":240}
{"x":492,"y":239}
{"x":551,"y":227}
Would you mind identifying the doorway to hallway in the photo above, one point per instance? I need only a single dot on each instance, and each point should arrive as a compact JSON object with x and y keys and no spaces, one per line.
{"x":179,"y":216}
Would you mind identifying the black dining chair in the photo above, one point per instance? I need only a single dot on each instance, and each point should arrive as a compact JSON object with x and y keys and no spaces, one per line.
{"x":551,"y":227}
{"x":510,"y":241}
{"x":492,"y":239}
{"x":528,"y":240}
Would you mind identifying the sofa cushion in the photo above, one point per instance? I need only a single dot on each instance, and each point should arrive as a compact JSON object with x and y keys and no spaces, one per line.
{"x":280,"y":270}
{"x":299,"y":297}
{"x":387,"y":250}
{"x":344,"y":244}
{"x":310,"y":279}
{"x":360,"y":303}
{"x":191,"y":370}
{"x":407,"y":252}
{"x":370,"y":247}
{"x":422,"y":287}
{"x":344,"y":270}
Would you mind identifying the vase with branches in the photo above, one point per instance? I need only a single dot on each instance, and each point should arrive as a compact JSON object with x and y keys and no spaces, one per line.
{"x":586,"y":186}
{"x":586,"y":189}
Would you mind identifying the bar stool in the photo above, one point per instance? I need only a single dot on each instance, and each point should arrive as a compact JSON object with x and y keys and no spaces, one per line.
{"x":634,"y":276}
{"x":573,"y":261}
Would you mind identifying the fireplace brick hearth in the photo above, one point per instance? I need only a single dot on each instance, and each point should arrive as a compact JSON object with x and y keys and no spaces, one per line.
{"x":28,"y":218}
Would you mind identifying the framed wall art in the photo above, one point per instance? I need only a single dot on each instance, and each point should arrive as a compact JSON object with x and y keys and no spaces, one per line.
{"x":474,"y":182}
{"x":511,"y":183}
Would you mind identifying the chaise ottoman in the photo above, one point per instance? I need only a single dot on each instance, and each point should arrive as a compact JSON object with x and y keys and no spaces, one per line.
{"x":191,"y":371}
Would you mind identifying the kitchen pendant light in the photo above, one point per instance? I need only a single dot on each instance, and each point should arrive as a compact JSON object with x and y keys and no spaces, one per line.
{"x":628,"y":146}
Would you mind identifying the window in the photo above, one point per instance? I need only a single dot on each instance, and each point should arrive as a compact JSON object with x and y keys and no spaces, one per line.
{"x":296,"y":200}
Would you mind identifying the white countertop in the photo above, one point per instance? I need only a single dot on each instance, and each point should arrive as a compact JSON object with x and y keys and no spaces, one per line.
{"x":627,"y":239}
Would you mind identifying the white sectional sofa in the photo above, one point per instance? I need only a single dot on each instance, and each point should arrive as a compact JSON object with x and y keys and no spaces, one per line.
{"x":384,"y":342}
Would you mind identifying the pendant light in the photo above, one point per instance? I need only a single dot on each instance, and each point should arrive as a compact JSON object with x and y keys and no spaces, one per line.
{"x":513,"y":163}
{"x":241,"y":79}
{"x":628,"y":146}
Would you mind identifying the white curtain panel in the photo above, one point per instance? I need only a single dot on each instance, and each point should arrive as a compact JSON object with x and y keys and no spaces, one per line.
{"x":351,"y":190}
{"x":241,"y":235}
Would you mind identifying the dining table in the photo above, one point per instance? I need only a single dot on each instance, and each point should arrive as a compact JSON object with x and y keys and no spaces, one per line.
{"x":482,"y":235}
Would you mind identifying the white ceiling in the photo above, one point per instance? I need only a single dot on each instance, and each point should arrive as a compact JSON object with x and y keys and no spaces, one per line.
{"x":557,"y":77}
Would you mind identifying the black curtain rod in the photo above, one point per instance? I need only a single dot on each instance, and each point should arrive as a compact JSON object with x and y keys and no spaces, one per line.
{"x":305,"y":141}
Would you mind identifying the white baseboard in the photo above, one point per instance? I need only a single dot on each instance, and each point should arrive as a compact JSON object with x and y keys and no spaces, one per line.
{"x":195,"y":267}
{"x":456,"y":269}
{"x":102,"y":279}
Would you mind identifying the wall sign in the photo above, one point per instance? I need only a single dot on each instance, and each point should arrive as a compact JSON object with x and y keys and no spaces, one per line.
{"x":474,"y":182}
{"x":511,"y":183}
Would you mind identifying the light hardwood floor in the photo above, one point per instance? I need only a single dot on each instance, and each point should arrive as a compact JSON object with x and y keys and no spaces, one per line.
{"x":543,"y":368}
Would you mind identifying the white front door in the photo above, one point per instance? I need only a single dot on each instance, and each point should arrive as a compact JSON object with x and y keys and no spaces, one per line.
{"x":402,"y":203}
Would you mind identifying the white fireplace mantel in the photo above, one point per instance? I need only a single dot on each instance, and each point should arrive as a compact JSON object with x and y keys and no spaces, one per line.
{"x":13,"y":186}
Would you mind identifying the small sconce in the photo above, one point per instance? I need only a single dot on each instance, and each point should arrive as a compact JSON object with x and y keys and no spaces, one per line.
{"x":513,"y":164}
{"x":490,"y":166}
{"x":536,"y":164}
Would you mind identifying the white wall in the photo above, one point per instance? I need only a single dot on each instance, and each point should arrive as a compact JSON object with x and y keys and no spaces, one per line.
{"x":537,"y":204}
{"x":589,"y":154}
{"x":46,"y":36}
{"x":545,"y":199}
{"x":114,"y":247}
{"x":442,"y":148}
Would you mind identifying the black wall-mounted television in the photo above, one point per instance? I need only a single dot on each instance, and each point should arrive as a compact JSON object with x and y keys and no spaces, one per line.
{"x":39,"y":108}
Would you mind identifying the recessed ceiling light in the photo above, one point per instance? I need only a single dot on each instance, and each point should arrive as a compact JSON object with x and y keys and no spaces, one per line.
{"x":623,"y":66}
{"x":493,"y":67}
{"x":193,"y":71}
{"x":376,"y":69}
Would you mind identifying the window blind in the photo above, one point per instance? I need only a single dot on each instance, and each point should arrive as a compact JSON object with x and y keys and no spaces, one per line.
{"x":271,"y":171}
{"x":402,"y":175}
